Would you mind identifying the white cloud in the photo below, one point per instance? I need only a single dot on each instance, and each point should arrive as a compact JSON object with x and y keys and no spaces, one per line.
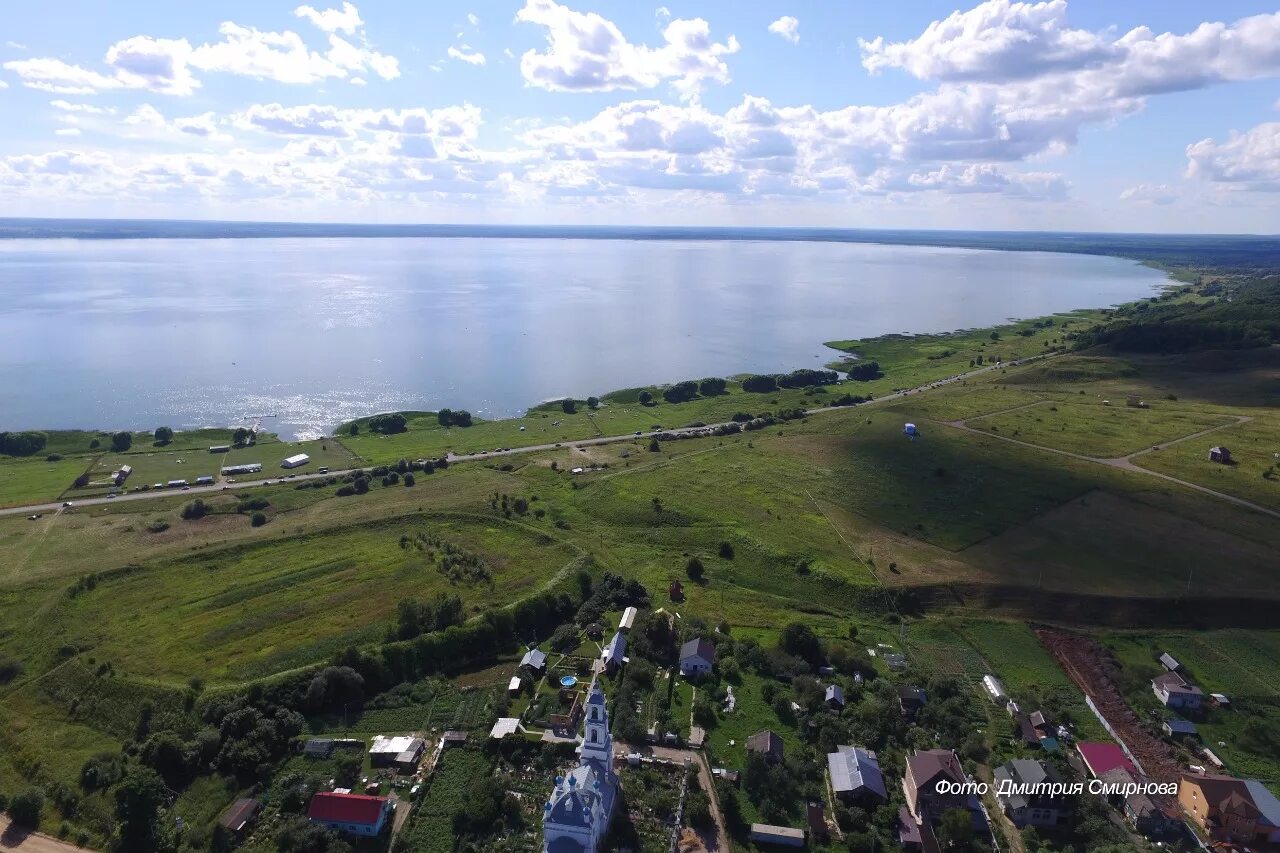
{"x":15,"y":45}
{"x":166,"y":65}
{"x":588,"y":53}
{"x":787,"y":27}
{"x":1150,"y":193}
{"x":67,"y":131}
{"x":90,"y":109}
{"x":464,"y":53}
{"x":473,"y":19}
{"x":1000,"y":41}
{"x":1249,"y":161}
{"x":344,"y":20}
{"x":3,"y":85}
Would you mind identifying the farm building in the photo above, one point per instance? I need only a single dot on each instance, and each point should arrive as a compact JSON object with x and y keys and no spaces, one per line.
{"x":783,"y":836}
{"x":401,"y":752}
{"x":453,"y":737}
{"x":204,"y":480}
{"x":855,"y":775}
{"x":220,"y":448}
{"x":628,"y":619}
{"x":834,"y":696}
{"x":768,"y":744}
{"x":246,"y":468}
{"x":122,"y":474}
{"x":350,"y":814}
{"x":696,"y":658}
{"x":1170,"y":663}
{"x":239,"y":815}
{"x":1220,"y":454}
{"x":295,"y":461}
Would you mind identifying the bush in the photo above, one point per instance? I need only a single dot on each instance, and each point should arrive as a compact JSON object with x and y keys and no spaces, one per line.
{"x":361,"y":485}
{"x":712,"y":386}
{"x":760,"y":384}
{"x":654,"y":447}
{"x":388,"y":424}
{"x":448,"y":417}
{"x":409,"y":480}
{"x":568,"y":406}
{"x":194,"y":510}
{"x":53,"y":457}
{"x":345,"y":491}
{"x":865,"y":371}
{"x":593,"y":402}
{"x":25,"y":808}
{"x":695,"y":570}
{"x":681,"y":392}
{"x":726,"y":550}
{"x":258,"y":519}
{"x":10,"y":668}
{"x":158,"y":526}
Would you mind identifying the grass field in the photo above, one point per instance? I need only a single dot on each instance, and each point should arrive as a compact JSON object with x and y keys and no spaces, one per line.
{"x":1095,"y":429}
{"x":25,"y":481}
{"x":1255,"y":449}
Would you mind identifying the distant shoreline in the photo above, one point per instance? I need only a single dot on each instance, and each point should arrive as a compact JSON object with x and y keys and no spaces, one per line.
{"x":1220,"y":250}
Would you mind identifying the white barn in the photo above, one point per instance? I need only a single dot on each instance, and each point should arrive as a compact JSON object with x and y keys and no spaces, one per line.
{"x":296,"y":461}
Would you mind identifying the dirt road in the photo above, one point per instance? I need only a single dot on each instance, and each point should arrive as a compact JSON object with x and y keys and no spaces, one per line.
{"x":12,"y":838}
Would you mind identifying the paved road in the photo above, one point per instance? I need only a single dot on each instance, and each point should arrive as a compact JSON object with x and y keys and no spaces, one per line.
{"x":1125,"y":463}
{"x":297,"y":477}
{"x":14,"y":839}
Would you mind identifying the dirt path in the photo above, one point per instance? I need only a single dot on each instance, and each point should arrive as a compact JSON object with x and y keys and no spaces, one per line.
{"x":1091,"y":666}
{"x":1123,"y":463}
{"x":12,"y":838}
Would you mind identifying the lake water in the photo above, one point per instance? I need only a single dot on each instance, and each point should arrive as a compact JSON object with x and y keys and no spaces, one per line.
{"x":138,"y":333}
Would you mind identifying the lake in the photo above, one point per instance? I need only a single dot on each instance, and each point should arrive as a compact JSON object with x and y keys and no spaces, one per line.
{"x":313,"y":331}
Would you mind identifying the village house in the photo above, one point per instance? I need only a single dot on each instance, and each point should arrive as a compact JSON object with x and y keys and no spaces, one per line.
{"x":767,"y":744}
{"x":1101,"y":756}
{"x":925,"y":770}
{"x":834,"y":697}
{"x":696,"y":658}
{"x":402,"y":753}
{"x":239,"y":815}
{"x":1220,"y":454}
{"x":1176,"y":693}
{"x":910,"y":700}
{"x":350,"y":814}
{"x":1150,"y":818}
{"x":1230,"y":810}
{"x":1031,"y":808}
{"x":534,"y":660}
{"x":855,"y":776}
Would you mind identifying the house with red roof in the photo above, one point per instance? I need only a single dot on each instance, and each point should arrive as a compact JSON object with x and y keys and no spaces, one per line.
{"x":351,"y":814}
{"x":1099,"y":757}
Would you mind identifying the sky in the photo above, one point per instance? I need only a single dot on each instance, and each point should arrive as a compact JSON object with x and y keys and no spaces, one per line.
{"x":1147,"y":115}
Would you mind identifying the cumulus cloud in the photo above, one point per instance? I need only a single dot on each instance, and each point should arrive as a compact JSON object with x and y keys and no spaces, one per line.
{"x":787,"y":27}
{"x":166,"y":65}
{"x":464,"y":53}
{"x":67,"y":131}
{"x":344,"y":20}
{"x":1150,"y":193}
{"x":1001,"y":41}
{"x":586,"y":52}
{"x":1248,"y":160}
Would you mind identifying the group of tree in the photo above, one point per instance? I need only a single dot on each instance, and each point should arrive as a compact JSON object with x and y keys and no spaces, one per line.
{"x":163,"y":435}
{"x":242,"y":437}
{"x":681,"y":392}
{"x":865,"y":371}
{"x":414,"y":617}
{"x":763,"y":383}
{"x":388,"y":424}
{"x":22,"y":443}
{"x":454,"y":417}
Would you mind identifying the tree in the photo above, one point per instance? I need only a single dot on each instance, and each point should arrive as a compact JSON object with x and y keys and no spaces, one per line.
{"x":593,"y":402}
{"x":462,"y":418}
{"x":409,"y":480}
{"x":726,"y":550}
{"x":388,"y":424}
{"x":568,"y":405}
{"x":353,"y":429}
{"x":194,"y":510}
{"x":138,"y":801}
{"x":865,"y":371}
{"x":957,"y":828}
{"x":712,"y":386}
{"x":695,"y":570}
{"x":121,"y":441}
{"x":25,"y":808}
{"x":681,"y":392}
{"x":241,"y":435}
{"x":654,"y":447}
{"x":646,"y":398}
{"x":761,"y":383}
{"x":258,"y":519}
{"x":22,"y":443}
{"x":164,"y":435}
{"x":798,"y":639}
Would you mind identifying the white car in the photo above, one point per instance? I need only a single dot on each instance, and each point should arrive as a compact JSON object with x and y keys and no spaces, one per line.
{"x":67,"y":504}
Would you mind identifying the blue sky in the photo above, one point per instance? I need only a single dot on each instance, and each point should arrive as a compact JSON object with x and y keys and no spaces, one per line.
{"x":1152,"y":116}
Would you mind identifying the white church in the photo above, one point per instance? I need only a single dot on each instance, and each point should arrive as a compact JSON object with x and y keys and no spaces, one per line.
{"x":576,"y":817}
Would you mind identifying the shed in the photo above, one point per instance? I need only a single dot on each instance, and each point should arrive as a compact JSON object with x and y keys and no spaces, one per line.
{"x":453,"y":737}
{"x":295,"y":461}
{"x":1170,"y":663}
{"x":1179,"y":728}
{"x":628,"y":619}
{"x":534,"y":659}
{"x":1220,"y":455}
{"x":614,"y":654}
{"x":834,"y":697}
{"x":768,"y":744}
{"x":505,"y":726}
{"x":513,"y":686}
{"x":782,"y":835}
{"x":1220,"y":699}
